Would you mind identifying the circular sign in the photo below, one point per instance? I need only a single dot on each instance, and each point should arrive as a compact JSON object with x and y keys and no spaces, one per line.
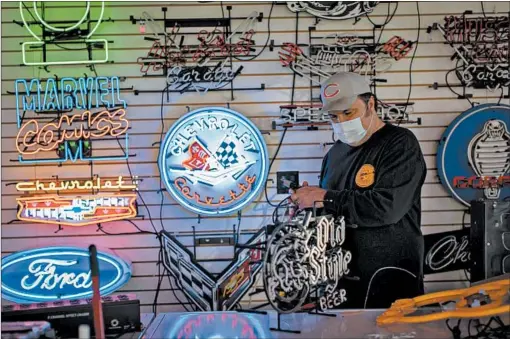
{"x":473,"y":158}
{"x":213,"y":161}
{"x":210,"y":325}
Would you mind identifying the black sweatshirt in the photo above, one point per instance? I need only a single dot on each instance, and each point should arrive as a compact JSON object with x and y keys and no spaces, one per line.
{"x":377,"y":186}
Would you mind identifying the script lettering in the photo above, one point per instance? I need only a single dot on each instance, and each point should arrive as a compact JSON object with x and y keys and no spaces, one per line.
{"x":73,"y":184}
{"x":200,"y":78}
{"x":44,"y":275}
{"x":447,"y":251}
{"x":306,"y":257}
{"x":34,"y":137}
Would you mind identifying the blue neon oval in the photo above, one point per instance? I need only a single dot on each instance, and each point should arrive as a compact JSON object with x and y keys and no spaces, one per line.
{"x":179,"y":126}
{"x":58,"y":273}
{"x":452,"y":152}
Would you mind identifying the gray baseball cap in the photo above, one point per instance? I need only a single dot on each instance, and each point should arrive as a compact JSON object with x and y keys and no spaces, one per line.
{"x":340,"y":90}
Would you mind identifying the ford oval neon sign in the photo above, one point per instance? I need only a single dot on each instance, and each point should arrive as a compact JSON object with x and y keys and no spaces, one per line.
{"x":213,"y":161}
{"x":58,"y":273}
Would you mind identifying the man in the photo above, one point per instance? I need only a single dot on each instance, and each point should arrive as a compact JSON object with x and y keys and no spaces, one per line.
{"x":372,"y":176}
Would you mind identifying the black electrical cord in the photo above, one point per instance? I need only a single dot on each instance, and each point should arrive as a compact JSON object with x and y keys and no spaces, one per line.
{"x":67,"y":48}
{"x":502,"y":94}
{"x":483,"y":10}
{"x":388,"y":17}
{"x":284,"y":203}
{"x":129,"y":169}
{"x":271,"y":165}
{"x":412,"y":58}
{"x":161,"y":191}
{"x":386,"y":21}
{"x":183,"y":305}
{"x":464,"y":227}
{"x":160,"y":277}
{"x":100,"y":228}
{"x":450,"y":87}
{"x":267,"y":40}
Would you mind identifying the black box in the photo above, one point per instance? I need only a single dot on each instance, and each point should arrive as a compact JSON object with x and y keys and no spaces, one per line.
{"x":121,"y":314}
{"x":490,"y":227}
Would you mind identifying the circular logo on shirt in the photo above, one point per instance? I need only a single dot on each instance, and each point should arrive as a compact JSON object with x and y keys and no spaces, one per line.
{"x":365,"y":176}
{"x":473,"y":158}
{"x":213,"y":161}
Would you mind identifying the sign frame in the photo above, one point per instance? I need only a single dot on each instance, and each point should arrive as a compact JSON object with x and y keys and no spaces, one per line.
{"x":123,"y":267}
{"x":179,"y":261}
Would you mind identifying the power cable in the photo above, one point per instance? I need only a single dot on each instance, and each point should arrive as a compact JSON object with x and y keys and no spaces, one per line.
{"x":267,"y":40}
{"x":271,"y":165}
{"x":412,"y":58}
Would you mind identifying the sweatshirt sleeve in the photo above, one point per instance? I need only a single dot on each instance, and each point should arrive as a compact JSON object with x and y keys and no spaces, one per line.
{"x":399,"y":173}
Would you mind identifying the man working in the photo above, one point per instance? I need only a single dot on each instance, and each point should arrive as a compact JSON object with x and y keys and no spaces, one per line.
{"x":372,"y":176}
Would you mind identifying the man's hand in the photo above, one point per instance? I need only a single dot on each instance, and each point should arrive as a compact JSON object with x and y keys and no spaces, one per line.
{"x":306,"y":196}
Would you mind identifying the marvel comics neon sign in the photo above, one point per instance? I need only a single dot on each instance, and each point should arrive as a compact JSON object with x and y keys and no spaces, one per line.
{"x":69,"y":137}
{"x":59,"y":273}
{"x":473,"y":157}
{"x":75,"y":202}
{"x":213,"y":161}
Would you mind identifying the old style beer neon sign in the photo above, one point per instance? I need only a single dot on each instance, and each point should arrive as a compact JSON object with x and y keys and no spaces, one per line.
{"x":66,"y":131}
{"x":75,"y":202}
{"x":59,"y":273}
{"x":213,"y":161}
{"x":482,"y":170}
{"x":302,"y":256}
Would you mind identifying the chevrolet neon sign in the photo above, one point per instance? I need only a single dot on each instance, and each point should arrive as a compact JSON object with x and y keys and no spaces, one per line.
{"x":82,"y":202}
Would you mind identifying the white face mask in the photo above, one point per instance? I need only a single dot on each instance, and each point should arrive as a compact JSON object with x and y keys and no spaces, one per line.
{"x":350,"y":132}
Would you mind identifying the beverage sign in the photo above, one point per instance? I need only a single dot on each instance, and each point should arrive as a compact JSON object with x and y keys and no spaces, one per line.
{"x":59,"y":273}
{"x":75,"y":202}
{"x":213,"y":161}
{"x":473,"y":158}
{"x":304,"y":260}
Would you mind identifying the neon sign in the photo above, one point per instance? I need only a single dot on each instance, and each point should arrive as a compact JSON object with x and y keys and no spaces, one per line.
{"x":212,"y":45}
{"x":213,"y":161}
{"x":201,"y":78}
{"x":69,"y":136}
{"x":68,"y":35}
{"x":397,"y":47}
{"x":115,"y":202}
{"x":67,"y":93}
{"x":336,"y":10}
{"x":483,"y":169}
{"x":302,"y":256}
{"x":209,"y":325}
{"x":211,"y":293}
{"x":59,"y":273}
{"x":481,"y":50}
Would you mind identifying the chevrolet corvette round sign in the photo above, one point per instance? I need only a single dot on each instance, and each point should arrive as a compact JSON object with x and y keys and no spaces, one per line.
{"x":213,"y":161}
